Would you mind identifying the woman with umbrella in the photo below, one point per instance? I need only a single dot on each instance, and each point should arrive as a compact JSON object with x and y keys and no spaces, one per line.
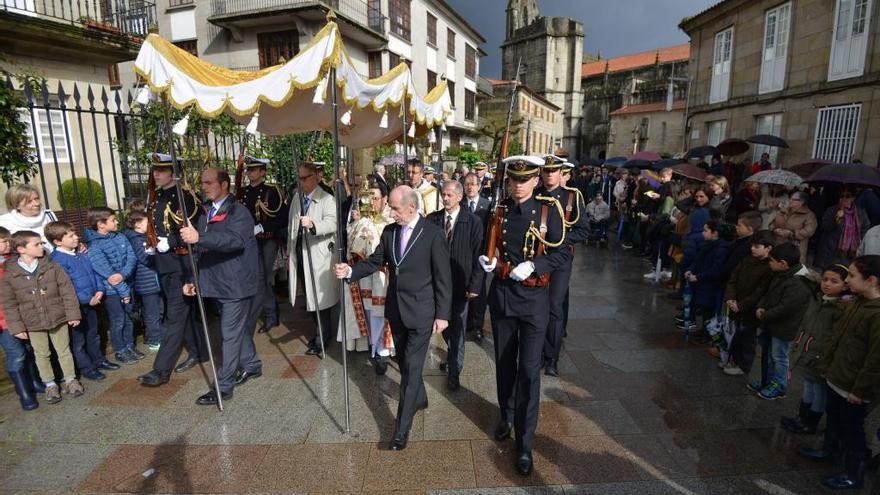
{"x":843,"y":227}
{"x":795,"y":224}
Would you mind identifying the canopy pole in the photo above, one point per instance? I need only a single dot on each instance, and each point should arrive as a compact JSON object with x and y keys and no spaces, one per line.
{"x":178,"y":167}
{"x":405,"y":130}
{"x":340,"y":246}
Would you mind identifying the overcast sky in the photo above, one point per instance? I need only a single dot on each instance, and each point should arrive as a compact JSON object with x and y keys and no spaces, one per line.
{"x":614,"y":27}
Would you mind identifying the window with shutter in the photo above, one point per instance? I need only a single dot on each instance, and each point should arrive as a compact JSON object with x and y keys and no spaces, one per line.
{"x":399,"y":12}
{"x":470,"y":105}
{"x":852,"y":20}
{"x":720,"y":88}
{"x":393,"y":60}
{"x":450,"y":43}
{"x":375,"y":64}
{"x":277,"y":47}
{"x":47,"y":134}
{"x":191,"y":46}
{"x":451,"y":86}
{"x":767,"y":124}
{"x":836,"y":131}
{"x":775,"y":54}
{"x":470,"y":62}
{"x":716,"y":132}
{"x":432,"y":30}
{"x":432,"y":79}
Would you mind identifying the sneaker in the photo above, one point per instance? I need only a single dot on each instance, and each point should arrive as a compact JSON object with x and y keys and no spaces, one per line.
{"x":626,"y":245}
{"x":686,"y":325}
{"x":733,"y":370}
{"x":772,"y":392}
{"x":53,"y":394}
{"x":755,"y":386}
{"x":153,"y":347}
{"x":73,"y":387}
{"x":125,"y":357}
{"x":665,"y":275}
{"x":724,"y":364}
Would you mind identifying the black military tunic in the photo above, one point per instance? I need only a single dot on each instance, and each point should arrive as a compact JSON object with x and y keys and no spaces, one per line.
{"x":167,"y":220}
{"x":577,"y":226}
{"x":520,"y":313}
{"x":265,"y":202}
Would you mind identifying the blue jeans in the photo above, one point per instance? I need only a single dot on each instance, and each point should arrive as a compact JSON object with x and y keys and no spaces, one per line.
{"x":779,"y":357}
{"x":766,"y":360}
{"x":15,"y":351}
{"x":85,"y":341}
{"x":815,"y":394}
{"x":121,"y":328}
{"x":154,"y":328}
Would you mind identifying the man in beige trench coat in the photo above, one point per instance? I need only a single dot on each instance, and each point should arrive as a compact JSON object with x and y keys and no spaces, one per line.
{"x":313,"y":222}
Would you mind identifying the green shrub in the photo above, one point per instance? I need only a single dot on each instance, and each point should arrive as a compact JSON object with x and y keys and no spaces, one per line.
{"x":88,"y":193}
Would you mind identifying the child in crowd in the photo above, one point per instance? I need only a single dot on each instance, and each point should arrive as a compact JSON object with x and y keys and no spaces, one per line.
{"x":780,"y":312}
{"x":145,"y":279}
{"x":745,"y":288}
{"x":39,"y":301}
{"x":746,"y":226}
{"x":114,"y":261}
{"x":704,"y":272}
{"x":84,"y":339}
{"x":14,"y":345}
{"x":853,"y":359}
{"x":810,"y":346}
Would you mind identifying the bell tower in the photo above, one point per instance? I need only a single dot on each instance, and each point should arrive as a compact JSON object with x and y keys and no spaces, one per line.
{"x":520,"y":13}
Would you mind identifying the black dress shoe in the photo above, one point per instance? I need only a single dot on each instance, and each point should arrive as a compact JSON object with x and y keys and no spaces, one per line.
{"x":550,"y":369}
{"x":244,"y":376}
{"x":524,"y":463}
{"x":380,"y":364}
{"x":502,"y":431}
{"x":313,"y":351}
{"x":479,"y":335}
{"x":264,"y":328}
{"x":186,"y":365}
{"x":399,"y":441}
{"x":423,"y":405}
{"x":444,"y":366}
{"x":210,"y":399}
{"x":94,"y":375}
{"x":154,"y":378}
{"x":453,"y":383}
{"x":108,"y":365}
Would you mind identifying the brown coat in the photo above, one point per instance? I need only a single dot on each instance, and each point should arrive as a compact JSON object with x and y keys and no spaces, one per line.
{"x":799,"y":225}
{"x":38,"y":302}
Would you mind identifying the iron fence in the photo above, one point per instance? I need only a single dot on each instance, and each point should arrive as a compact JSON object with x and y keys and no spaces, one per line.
{"x":132,"y":17}
{"x":366,"y":14}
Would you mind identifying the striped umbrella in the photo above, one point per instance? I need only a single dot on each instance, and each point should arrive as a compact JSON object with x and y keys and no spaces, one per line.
{"x":778,"y":176}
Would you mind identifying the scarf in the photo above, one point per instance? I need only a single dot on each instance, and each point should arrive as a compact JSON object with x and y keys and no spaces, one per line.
{"x":29,"y":222}
{"x":851,"y":236}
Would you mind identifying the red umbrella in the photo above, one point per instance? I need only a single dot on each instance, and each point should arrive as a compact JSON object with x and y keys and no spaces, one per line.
{"x":809,"y":167}
{"x":690,"y":171}
{"x":646,"y":155}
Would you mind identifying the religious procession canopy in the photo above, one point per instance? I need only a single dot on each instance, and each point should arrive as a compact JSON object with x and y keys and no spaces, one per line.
{"x":294,"y":97}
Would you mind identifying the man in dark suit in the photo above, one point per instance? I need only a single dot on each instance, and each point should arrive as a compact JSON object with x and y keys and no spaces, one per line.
{"x":229,"y":272}
{"x":419,"y":299}
{"x":482,"y":208}
{"x":464,"y":233}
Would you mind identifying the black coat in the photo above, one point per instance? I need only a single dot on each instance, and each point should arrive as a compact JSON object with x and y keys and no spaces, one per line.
{"x":464,"y":251}
{"x":483,"y":211}
{"x":228,"y":257}
{"x":420,"y":288}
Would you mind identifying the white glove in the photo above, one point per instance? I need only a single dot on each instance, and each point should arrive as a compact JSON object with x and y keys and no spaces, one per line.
{"x":522,"y":271}
{"x":163,"y":246}
{"x":258,"y":229}
{"x":486,"y":265}
{"x":150,"y":251}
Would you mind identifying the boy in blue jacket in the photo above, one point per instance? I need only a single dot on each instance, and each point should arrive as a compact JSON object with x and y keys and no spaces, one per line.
{"x":145,"y":279}
{"x":84,"y":339}
{"x":705,"y":272}
{"x":114,"y":261}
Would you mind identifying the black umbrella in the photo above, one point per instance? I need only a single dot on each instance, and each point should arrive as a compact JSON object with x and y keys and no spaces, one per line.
{"x":768,"y":140}
{"x":857,"y":174}
{"x":668,"y":162}
{"x":702,"y":152}
{"x":733,"y":147}
{"x":591,"y":162}
{"x":637,"y":163}
{"x":809,"y":167}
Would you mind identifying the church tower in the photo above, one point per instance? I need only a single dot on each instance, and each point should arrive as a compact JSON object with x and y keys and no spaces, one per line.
{"x":551,"y":50}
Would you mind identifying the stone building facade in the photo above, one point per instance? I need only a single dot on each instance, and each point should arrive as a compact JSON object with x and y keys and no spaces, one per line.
{"x":638,"y":82}
{"x":539,"y":121}
{"x":551,"y":51}
{"x":805,"y":70}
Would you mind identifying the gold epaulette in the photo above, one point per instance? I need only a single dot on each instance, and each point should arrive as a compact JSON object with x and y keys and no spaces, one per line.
{"x":536,"y":231}
{"x":579,"y":200}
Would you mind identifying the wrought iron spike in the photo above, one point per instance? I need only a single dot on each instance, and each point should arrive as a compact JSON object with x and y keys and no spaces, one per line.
{"x":44,"y":89}
{"x":118,"y":99}
{"x":76,"y":96}
{"x":9,"y":82}
{"x":62,"y":96}
{"x":129,"y":98}
{"x":28,"y":92}
{"x":91,"y":96}
{"x":104,"y":97}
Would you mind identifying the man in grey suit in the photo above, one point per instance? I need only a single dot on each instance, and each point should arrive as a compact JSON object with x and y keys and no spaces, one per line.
{"x":229,"y":270}
{"x":419,"y":299}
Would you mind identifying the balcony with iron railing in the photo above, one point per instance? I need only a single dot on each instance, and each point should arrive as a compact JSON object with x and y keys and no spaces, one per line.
{"x":242,"y":14}
{"x":131,"y":19}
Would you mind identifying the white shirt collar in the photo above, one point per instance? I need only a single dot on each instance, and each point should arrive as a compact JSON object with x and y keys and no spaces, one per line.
{"x":413,"y":222}
{"x":217,"y":204}
{"x":65,"y":250}
{"x":453,"y":215}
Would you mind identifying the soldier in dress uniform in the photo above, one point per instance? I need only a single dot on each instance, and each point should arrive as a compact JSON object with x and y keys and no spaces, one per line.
{"x":172,"y":263}
{"x":429,"y":196}
{"x":530,"y":242}
{"x":265,"y":202}
{"x":485,"y":181}
{"x":577,"y":225}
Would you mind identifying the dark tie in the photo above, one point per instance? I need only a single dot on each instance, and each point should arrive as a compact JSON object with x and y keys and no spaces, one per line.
{"x":473,"y":206}
{"x":306,"y":202}
{"x":211,"y":212}
{"x":449,"y":227}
